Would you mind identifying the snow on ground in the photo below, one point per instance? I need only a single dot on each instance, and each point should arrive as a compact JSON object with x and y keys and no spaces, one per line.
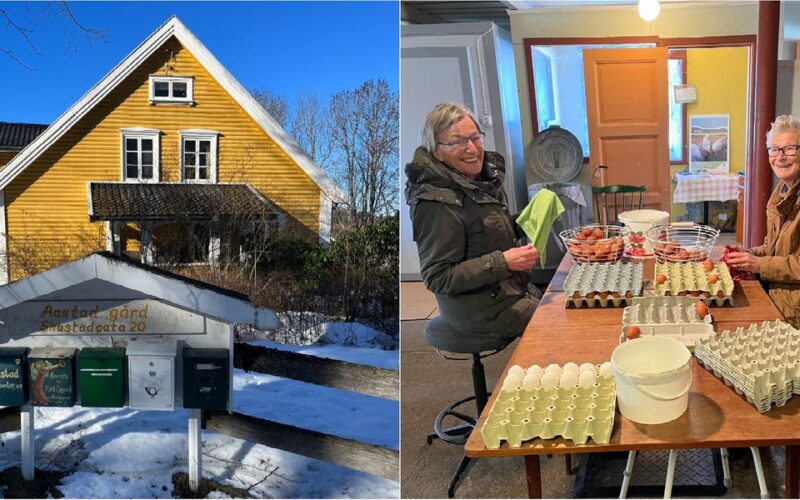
{"x":306,"y":328}
{"x":133,"y":453}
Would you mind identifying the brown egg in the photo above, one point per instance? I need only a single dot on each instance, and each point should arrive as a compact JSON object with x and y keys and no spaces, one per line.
{"x":632,"y":332}
{"x":598,"y":233}
{"x":603,"y":295}
{"x":713,"y":278}
{"x":576,"y":295}
{"x":708,"y":265}
{"x":587,"y":231}
{"x":702,"y":309}
{"x":661,"y":279}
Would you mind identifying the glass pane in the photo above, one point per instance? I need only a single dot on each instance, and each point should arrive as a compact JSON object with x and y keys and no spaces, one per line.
{"x":131,"y":144}
{"x":131,"y":158}
{"x":203,"y":173}
{"x":132,"y":172}
{"x":147,"y":144}
{"x":147,"y":171}
{"x":147,"y":159}
{"x":543,"y":83}
{"x":205,"y":146}
{"x":161,"y":89}
{"x":188,"y":146}
{"x":179,"y":89}
{"x":675,"y":68}
{"x":202,"y":159}
{"x":188,"y":173}
{"x":189,"y":159}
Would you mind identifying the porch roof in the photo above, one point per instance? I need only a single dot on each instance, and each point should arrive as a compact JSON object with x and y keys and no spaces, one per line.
{"x":120,"y":201}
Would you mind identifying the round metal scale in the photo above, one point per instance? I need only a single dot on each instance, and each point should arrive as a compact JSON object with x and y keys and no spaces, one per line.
{"x":555,"y":155}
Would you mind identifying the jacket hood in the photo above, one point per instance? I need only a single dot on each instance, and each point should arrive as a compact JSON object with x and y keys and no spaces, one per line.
{"x":425,"y":173}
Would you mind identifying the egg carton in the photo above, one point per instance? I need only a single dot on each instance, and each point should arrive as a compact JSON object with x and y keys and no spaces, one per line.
{"x":691,"y":279}
{"x":553,"y":404}
{"x":674,"y":317}
{"x":761,"y":363}
{"x":603,"y":285}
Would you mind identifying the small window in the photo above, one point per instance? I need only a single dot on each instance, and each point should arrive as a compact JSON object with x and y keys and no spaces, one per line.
{"x":176,"y":89}
{"x":198,"y":156}
{"x":140,"y":155}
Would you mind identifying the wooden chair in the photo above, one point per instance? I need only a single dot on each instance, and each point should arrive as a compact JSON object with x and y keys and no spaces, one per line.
{"x":610,"y":201}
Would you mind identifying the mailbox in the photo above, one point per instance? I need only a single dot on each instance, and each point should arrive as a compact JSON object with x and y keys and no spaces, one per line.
{"x":151,"y":373}
{"x":52,"y":376}
{"x":101,"y":377}
{"x":205,"y":378}
{"x":13,"y":376}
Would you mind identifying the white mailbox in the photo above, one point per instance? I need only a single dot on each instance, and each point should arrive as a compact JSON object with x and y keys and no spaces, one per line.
{"x":151,"y":369}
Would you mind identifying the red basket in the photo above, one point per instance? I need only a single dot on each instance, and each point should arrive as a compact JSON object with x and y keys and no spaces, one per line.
{"x":595,"y":243}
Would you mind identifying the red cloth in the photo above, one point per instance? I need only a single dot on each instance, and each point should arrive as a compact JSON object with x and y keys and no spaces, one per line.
{"x":736,"y":274}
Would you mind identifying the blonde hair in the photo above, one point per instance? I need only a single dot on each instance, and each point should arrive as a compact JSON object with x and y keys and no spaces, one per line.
{"x":441,"y":117}
{"x":783,"y":124}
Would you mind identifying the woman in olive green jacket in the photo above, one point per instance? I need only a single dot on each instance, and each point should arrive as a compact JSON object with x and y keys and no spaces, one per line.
{"x":778,"y":259}
{"x":465,"y":236}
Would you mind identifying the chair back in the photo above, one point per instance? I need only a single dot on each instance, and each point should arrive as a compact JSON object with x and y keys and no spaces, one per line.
{"x":610,"y":201}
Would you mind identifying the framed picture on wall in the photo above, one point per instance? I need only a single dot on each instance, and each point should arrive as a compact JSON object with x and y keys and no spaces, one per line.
{"x":708,"y":143}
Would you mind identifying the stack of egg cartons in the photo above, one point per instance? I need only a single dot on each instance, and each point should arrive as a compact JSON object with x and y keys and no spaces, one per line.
{"x":675,"y":317}
{"x":691,"y":278}
{"x":762,"y":363}
{"x":603,"y":284}
{"x":573,"y":402}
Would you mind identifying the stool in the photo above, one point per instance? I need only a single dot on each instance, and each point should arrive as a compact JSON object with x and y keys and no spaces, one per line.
{"x":443,"y":337}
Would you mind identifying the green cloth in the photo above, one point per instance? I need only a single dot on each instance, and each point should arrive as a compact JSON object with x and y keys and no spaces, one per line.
{"x":538,"y":217}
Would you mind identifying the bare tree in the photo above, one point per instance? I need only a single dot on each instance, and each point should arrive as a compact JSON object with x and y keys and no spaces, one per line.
{"x":365,"y":134}
{"x":275,"y":104}
{"x":310,"y":126}
{"x":75,"y":30}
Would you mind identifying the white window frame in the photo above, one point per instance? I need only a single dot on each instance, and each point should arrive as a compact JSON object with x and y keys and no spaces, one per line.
{"x":141,"y":133}
{"x":170,"y":80}
{"x":199,"y":135}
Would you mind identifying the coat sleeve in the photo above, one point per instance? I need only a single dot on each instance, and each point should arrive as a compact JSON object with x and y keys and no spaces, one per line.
{"x":441,"y":241}
{"x":759,"y":251}
{"x":784,"y":269}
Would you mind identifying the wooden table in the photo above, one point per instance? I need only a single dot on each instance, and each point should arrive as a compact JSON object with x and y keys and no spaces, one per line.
{"x":716,"y":417}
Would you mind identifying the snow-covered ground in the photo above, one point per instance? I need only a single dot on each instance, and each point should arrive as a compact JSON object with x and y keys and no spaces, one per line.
{"x":127,"y":453}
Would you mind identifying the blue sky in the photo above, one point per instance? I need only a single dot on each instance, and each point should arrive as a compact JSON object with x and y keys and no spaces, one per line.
{"x":281,"y":46}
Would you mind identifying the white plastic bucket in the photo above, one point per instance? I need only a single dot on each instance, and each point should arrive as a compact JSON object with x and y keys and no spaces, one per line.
{"x":653,"y":375}
{"x":641,"y":220}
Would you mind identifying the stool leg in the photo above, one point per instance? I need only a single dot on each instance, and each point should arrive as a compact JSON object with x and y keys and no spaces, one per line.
{"x":626,"y":476}
{"x":670,"y":473}
{"x":462,"y":467}
{"x":762,"y":484}
{"x":479,"y":383}
{"x":726,"y":468}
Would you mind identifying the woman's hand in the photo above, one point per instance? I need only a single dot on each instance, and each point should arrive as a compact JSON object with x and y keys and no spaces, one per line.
{"x":744,"y":261}
{"x":521,"y":258}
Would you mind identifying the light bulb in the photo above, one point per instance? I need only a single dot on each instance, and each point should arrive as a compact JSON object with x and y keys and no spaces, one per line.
{"x":648,"y":9}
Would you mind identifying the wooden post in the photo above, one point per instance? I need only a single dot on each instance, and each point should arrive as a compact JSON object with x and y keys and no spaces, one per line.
{"x":26,"y":441}
{"x":195,"y":458}
{"x":147,"y":243}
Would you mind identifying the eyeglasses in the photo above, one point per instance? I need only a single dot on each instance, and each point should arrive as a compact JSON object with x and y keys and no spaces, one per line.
{"x":790,"y":150}
{"x":463,"y":142}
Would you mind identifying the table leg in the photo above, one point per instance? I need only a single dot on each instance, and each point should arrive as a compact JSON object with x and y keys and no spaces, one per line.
{"x":534,"y":476}
{"x":792,"y":472}
{"x":705,"y":213}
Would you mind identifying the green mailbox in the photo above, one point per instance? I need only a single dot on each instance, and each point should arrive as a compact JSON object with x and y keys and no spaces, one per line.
{"x":206,"y":378}
{"x":13,"y":376}
{"x":52,"y":376}
{"x":101,"y":377}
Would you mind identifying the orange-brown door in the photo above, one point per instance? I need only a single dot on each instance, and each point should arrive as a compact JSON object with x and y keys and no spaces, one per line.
{"x":628,"y":118}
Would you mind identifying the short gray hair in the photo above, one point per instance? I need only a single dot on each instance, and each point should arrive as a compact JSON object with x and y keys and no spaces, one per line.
{"x":442,"y":117}
{"x":782,"y":124}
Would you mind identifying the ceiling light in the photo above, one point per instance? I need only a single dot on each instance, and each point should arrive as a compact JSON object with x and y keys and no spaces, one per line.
{"x":648,"y":9}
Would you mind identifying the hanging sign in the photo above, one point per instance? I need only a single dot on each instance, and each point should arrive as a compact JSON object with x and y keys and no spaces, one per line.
{"x":101,"y":317}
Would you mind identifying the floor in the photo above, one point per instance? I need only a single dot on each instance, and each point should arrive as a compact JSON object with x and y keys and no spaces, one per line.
{"x":430,"y":382}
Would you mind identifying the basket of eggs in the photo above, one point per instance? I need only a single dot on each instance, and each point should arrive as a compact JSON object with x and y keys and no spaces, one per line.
{"x":682,"y":243}
{"x":595,"y":243}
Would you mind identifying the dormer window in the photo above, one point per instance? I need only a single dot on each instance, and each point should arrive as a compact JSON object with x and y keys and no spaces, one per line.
{"x":171,"y":89}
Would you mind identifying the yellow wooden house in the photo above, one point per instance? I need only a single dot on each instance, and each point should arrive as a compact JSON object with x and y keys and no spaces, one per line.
{"x":167,"y":144}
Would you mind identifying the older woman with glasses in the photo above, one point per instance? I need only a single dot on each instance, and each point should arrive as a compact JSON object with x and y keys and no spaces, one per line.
{"x":465,"y":236}
{"x":778,"y":259}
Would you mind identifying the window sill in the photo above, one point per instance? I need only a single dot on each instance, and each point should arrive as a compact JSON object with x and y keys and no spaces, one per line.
{"x":170,"y":102}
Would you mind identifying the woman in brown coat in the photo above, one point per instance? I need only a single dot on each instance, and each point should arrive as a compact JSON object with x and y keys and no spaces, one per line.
{"x":778,"y":259}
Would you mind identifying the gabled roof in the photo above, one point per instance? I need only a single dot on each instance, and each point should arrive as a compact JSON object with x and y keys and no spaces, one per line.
{"x":173,"y":27}
{"x":126,"y":201}
{"x":15,"y":136}
{"x":223,"y":305}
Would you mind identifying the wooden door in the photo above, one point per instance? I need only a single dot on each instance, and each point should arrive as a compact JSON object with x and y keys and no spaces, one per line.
{"x":628,"y":119}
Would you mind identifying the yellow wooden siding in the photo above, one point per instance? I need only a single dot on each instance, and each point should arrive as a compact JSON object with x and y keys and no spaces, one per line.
{"x":47,"y":204}
{"x":5,"y":157}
